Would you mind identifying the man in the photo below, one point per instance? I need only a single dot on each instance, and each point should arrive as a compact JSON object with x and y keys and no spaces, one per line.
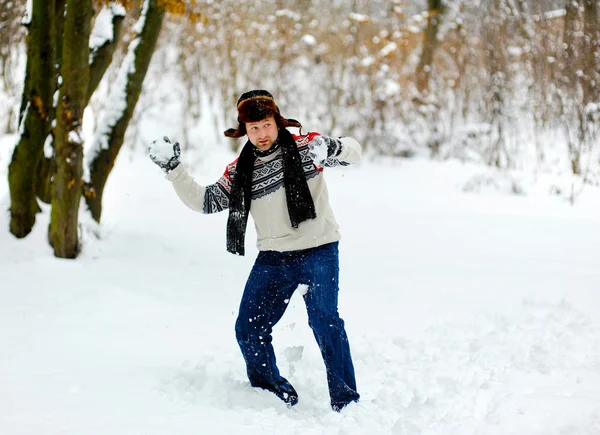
{"x":278,"y":179}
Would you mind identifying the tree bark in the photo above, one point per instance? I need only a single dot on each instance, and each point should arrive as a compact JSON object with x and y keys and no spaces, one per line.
{"x":47,"y":165}
{"x":430,"y":43}
{"x":68,"y":137}
{"x":35,"y":117}
{"x":569,"y":42}
{"x":111,"y":134}
{"x":45,"y":171}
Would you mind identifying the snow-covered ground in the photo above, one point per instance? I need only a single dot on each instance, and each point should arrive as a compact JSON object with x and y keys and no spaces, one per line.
{"x":468,"y":313}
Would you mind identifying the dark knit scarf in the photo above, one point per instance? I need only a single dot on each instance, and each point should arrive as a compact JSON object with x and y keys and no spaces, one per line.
{"x":299,"y":200}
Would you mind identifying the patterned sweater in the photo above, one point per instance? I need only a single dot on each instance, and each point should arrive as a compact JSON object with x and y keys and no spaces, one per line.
{"x":269,"y":207}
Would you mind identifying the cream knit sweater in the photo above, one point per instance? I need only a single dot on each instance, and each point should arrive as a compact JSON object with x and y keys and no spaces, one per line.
{"x":269,"y":207}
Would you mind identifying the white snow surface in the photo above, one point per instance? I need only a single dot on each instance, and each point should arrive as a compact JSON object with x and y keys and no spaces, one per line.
{"x":467,"y":313}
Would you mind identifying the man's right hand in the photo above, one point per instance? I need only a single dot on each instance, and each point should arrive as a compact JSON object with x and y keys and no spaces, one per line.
{"x":165,"y":154}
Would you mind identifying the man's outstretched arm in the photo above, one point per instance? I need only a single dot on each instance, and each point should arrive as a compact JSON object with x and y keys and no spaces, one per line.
{"x":204,"y":199}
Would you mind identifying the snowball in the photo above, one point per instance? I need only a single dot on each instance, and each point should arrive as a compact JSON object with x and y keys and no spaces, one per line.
{"x":318,"y":150}
{"x":161,"y":149}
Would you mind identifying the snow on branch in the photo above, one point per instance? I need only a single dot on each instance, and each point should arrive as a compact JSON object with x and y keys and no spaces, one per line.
{"x":23,"y":118}
{"x":389,"y":48}
{"x":289,"y":14}
{"x":117,"y":99}
{"x":358,"y":18}
{"x":557,"y":13}
{"x":141,"y":22}
{"x":28,"y":13}
{"x":103,"y":32}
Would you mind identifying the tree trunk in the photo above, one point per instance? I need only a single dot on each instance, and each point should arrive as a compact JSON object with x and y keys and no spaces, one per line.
{"x":100,"y":59}
{"x":591,"y":31}
{"x":430,"y":43}
{"x":569,"y":42}
{"x":68,"y":136}
{"x":35,"y":117}
{"x":122,"y":100}
{"x":496,"y":27}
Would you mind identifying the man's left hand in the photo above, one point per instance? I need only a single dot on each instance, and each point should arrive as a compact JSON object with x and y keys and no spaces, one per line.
{"x":324,"y":147}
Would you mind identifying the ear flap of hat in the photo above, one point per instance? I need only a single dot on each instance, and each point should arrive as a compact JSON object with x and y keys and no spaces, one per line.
{"x":289,"y":122}
{"x":236,"y":132}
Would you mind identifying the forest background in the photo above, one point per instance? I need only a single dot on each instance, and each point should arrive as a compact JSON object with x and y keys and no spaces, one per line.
{"x":511,"y":84}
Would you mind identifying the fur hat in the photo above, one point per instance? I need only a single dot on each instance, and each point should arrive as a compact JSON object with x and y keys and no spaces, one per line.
{"x":255,"y":106}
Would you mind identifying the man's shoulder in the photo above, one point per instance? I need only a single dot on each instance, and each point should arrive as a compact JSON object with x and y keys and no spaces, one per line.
{"x":230,"y":168}
{"x":306,"y":138}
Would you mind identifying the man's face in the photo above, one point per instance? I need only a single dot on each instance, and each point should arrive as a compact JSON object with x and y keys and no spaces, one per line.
{"x":262,"y":134}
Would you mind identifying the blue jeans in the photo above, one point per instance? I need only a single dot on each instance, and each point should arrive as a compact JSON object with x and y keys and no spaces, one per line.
{"x":272,"y":281}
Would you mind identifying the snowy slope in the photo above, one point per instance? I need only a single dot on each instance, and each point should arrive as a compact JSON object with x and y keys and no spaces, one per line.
{"x":468,"y":313}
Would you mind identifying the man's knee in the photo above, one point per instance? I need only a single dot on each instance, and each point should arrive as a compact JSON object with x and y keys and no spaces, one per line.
{"x":242,"y":331}
{"x":325,"y":323}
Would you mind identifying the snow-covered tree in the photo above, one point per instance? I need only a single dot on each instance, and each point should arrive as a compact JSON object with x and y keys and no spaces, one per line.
{"x":66,"y":61}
